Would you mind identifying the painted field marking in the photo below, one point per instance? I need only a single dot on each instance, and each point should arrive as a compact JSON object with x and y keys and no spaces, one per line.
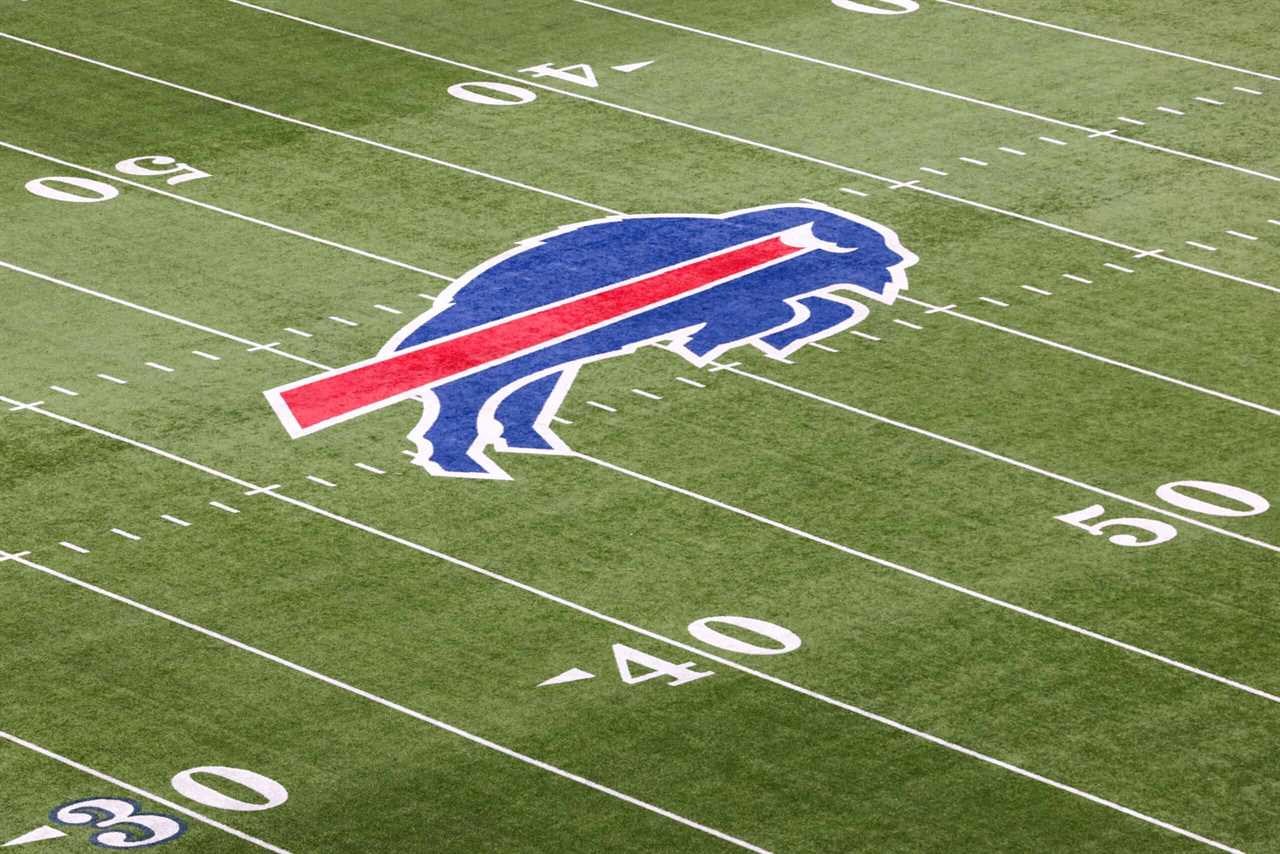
{"x":142,"y":793}
{"x":1036,"y":290}
{"x":225,"y":508}
{"x":1206,"y":247}
{"x":151,"y":311}
{"x":1241,"y":235}
{"x":159,"y":367}
{"x":369,"y":468}
{"x":974,"y":161}
{"x":176,"y":521}
{"x":109,"y":378}
{"x":1171,"y":111}
{"x":125,"y":534}
{"x":933,"y":171}
{"x":60,"y":390}
{"x":1274,"y":221}
{"x":322,"y":481}
{"x":1008,"y":150}
{"x":557,"y":419}
{"x":209,"y":356}
{"x":823,"y":347}
{"x":366,"y":695}
{"x":259,"y":490}
{"x":1058,"y":345}
{"x":710,"y":656}
{"x":853,"y":192}
{"x":1250,"y":91}
{"x":388,"y":309}
{"x":907,"y":323}
{"x":224,"y":211}
{"x":688,"y":381}
{"x":1081,"y":279}
{"x":343,"y":321}
{"x":994,"y":302}
{"x":1051,"y":140}
{"x":74,"y":547}
{"x":599,"y":405}
{"x":1210,"y":101}
{"x":430,"y":297}
{"x":1089,"y":35}
{"x":1128,"y":120}
{"x":1117,"y":267}
{"x":298,"y":332}
{"x":647,"y":394}
{"x":866,"y":335}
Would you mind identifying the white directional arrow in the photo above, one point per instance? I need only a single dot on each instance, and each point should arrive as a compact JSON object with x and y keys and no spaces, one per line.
{"x":571,"y":675}
{"x":38,"y":835}
{"x":634,"y":66}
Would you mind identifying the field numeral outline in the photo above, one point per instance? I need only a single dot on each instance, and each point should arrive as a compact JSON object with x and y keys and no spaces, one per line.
{"x":1163,"y":532}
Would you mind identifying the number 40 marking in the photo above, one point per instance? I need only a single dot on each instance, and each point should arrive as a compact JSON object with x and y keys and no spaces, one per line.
{"x":783,"y":641}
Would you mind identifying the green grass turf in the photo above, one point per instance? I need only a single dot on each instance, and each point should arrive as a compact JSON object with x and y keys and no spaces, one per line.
{"x":140,"y":699}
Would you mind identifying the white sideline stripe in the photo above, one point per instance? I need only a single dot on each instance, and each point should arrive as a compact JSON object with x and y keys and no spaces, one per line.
{"x":310,"y":125}
{"x":369,"y":468}
{"x":994,"y":302}
{"x":728,"y":136}
{"x":599,"y":405}
{"x":225,"y":212}
{"x":1171,"y":111}
{"x":1081,"y":279}
{"x":688,"y":381}
{"x":907,"y":323}
{"x":647,"y":394}
{"x":1117,"y":267}
{"x":1239,"y":401}
{"x":74,"y":547}
{"x":126,"y":534}
{"x":972,"y":160}
{"x":142,"y":793}
{"x":223,"y":507}
{"x":366,"y":695}
{"x":1098,"y":239}
{"x":159,"y":367}
{"x":1131,"y":121}
{"x":1241,"y":235}
{"x":551,"y":597}
{"x":60,"y":390}
{"x":1036,"y":290}
{"x":933,"y":171}
{"x":1108,"y":39}
{"x":151,"y":311}
{"x":175,"y":520}
{"x":1008,"y":150}
{"x":1250,"y":91}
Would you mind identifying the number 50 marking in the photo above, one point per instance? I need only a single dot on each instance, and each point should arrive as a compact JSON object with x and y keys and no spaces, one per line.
{"x":1163,"y":532}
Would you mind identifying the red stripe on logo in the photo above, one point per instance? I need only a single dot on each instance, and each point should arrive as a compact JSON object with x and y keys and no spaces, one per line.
{"x":331,"y":396}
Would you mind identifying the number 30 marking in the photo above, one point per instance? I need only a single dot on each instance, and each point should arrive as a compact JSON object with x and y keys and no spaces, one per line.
{"x":139,"y":830}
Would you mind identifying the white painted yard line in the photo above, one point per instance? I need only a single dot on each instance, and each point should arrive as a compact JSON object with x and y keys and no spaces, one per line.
{"x":1171,"y":111}
{"x":994,"y":302}
{"x":78,"y":549}
{"x":599,"y":405}
{"x":558,"y":420}
{"x":175,"y":520}
{"x":1036,"y":290}
{"x":1250,"y":91}
{"x":710,"y":656}
{"x":1058,"y":345}
{"x":1274,"y":221}
{"x":933,"y":171}
{"x":1206,"y":247}
{"x":1128,"y":120}
{"x":1098,"y":37}
{"x":109,"y":378}
{"x":225,"y":508}
{"x":369,"y":468}
{"x":907,"y":323}
{"x":688,"y":381}
{"x":892,"y":182}
{"x":853,"y":192}
{"x":125,"y":534}
{"x":1008,"y":150}
{"x":1209,"y":101}
{"x":388,"y":309}
{"x":310,"y":125}
{"x":430,"y":297}
{"x":371,"y":697}
{"x":159,"y":367}
{"x":298,"y":332}
{"x":60,"y":390}
{"x":823,"y":347}
{"x":866,"y":335}
{"x":974,"y":161}
{"x":1241,"y":235}
{"x":1117,"y":267}
{"x":647,"y":394}
{"x":110,"y":176}
{"x":142,"y":793}
{"x":1081,"y":279}
{"x":204,"y":355}
{"x":343,"y":321}
{"x":151,"y":311}
{"x":321,"y":481}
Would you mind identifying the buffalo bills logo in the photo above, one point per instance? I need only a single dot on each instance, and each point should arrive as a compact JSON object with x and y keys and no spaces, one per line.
{"x":494,"y":358}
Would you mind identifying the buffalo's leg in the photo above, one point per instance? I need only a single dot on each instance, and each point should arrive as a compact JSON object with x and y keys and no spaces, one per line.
{"x":520,"y":412}
{"x":824,"y":315}
{"x":458,"y":436}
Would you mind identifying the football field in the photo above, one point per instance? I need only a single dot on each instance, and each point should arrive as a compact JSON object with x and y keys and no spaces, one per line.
{"x":640,"y":425}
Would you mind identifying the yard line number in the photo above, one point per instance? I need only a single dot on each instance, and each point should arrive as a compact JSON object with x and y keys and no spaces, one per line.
{"x":636,"y":666}
{"x":1238,"y":502}
{"x":119,"y":822}
{"x":79,"y":190}
{"x":879,"y":7}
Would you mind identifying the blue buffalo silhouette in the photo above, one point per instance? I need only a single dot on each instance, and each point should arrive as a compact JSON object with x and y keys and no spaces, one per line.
{"x":509,"y":406}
